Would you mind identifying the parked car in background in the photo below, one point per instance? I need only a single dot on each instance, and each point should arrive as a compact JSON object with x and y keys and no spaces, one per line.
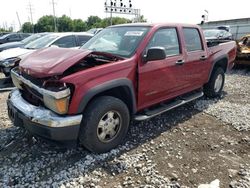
{"x":94,"y":31}
{"x":243,"y":50}
{"x":13,"y":37}
{"x":224,"y":27}
{"x":132,"y":71}
{"x":22,"y":42}
{"x":4,"y":33}
{"x":11,"y":57}
{"x":217,"y":34}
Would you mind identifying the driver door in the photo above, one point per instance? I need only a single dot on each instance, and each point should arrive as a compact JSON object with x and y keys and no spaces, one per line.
{"x":161,"y":79}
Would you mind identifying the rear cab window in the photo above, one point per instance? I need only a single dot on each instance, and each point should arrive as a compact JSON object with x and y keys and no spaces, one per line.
{"x":192,"y":40}
{"x":166,"y":38}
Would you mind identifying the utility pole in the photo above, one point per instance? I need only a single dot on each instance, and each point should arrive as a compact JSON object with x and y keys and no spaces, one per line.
{"x":31,"y":9}
{"x":20,"y":25}
{"x":55,"y":25}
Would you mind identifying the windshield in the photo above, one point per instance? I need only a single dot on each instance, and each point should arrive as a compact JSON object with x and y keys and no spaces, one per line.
{"x":211,"y":33}
{"x":32,"y":38}
{"x":41,"y":42}
{"x":121,"y":41}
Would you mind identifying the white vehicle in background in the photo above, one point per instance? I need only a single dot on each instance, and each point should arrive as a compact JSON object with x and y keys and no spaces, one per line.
{"x":11,"y":57}
{"x":21,"y":43}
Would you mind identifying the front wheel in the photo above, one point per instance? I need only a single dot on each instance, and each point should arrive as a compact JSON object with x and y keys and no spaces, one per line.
{"x":216,"y":83}
{"x":105,"y":124}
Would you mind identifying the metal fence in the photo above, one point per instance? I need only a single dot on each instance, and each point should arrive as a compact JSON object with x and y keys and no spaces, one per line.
{"x":237,"y":30}
{"x":238,"y":27}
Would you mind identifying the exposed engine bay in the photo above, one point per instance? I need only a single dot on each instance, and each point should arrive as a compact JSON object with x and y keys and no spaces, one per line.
{"x":92,"y":60}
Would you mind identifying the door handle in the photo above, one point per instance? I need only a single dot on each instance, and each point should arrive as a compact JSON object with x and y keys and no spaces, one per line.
{"x":203,"y":57}
{"x":180,"y":62}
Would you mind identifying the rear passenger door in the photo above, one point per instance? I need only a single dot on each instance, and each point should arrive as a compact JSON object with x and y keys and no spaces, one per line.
{"x":196,"y":64}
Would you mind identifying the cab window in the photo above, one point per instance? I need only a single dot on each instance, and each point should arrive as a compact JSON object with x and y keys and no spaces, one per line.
{"x":168,"y":39}
{"x":192,"y":39}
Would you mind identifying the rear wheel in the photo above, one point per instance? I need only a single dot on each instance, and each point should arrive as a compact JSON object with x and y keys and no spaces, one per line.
{"x":216,"y":83}
{"x":105,"y":124}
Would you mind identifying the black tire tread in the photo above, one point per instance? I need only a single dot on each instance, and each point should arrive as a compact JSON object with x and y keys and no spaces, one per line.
{"x":209,"y":87}
{"x":90,"y":117}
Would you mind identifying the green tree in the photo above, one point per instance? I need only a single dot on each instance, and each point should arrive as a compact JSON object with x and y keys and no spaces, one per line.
{"x":5,"y":30}
{"x":106,"y":22}
{"x":119,"y":20}
{"x":93,"y":21}
{"x":27,"y":27}
{"x":142,"y":19}
{"x":79,"y":25}
{"x":64,"y":24}
{"x":45,"y":24}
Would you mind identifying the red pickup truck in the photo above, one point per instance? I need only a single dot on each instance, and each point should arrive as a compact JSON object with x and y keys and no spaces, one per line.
{"x":132,"y":71}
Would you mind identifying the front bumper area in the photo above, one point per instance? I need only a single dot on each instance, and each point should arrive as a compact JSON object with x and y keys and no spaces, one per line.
{"x":41,"y":121}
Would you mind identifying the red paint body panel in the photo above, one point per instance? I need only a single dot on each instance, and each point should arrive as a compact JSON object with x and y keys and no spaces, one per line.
{"x":51,"y":61}
{"x":153,"y":82}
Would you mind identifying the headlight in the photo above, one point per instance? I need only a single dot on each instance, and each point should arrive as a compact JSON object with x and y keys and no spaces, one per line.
{"x":59,"y":106}
{"x":58,"y":103}
{"x":10,"y":62}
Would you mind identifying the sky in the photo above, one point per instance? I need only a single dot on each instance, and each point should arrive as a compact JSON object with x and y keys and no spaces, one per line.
{"x":182,"y":11}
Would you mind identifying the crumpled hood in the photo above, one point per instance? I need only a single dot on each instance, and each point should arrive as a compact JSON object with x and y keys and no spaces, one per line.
{"x":51,"y":61}
{"x":13,"y":52}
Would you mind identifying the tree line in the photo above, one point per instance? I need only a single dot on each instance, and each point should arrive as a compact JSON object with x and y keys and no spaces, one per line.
{"x":65,"y":24}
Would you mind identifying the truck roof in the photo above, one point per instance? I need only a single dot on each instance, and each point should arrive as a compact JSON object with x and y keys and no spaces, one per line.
{"x":155,"y":25}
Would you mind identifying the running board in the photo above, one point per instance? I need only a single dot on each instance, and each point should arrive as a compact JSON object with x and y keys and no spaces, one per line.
{"x":166,"y":107}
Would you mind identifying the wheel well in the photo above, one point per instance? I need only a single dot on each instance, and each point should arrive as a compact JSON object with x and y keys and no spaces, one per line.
{"x":221,"y":63}
{"x":121,"y":92}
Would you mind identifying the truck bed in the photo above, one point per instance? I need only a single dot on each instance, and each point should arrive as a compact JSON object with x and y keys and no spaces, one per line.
{"x":223,"y":49}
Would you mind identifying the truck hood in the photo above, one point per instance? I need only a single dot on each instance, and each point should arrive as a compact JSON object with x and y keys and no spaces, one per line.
{"x":13,"y":52}
{"x":51,"y":61}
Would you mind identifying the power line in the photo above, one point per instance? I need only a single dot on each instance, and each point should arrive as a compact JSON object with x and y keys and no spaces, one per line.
{"x":31,"y":10}
{"x":20,"y":25}
{"x":54,"y":13}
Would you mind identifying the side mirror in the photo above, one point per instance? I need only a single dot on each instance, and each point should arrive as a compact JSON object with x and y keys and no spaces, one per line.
{"x":7,"y":38}
{"x":155,"y":53}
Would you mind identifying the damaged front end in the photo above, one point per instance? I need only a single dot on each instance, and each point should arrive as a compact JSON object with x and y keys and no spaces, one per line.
{"x":41,"y":106}
{"x":41,"y":103}
{"x":52,"y":94}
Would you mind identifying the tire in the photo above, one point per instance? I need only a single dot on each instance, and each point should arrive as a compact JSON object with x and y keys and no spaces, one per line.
{"x":216,"y":83}
{"x":105,"y":124}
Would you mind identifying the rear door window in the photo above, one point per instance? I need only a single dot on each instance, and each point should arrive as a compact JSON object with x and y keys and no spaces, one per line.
{"x":192,"y":39}
{"x":13,"y":37}
{"x":66,"y":42}
{"x":83,"y":39}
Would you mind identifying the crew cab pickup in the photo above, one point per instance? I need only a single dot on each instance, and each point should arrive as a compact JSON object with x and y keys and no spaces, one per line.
{"x":125,"y":72}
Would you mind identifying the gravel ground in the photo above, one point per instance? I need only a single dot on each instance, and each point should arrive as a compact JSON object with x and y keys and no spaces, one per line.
{"x":204,"y":142}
